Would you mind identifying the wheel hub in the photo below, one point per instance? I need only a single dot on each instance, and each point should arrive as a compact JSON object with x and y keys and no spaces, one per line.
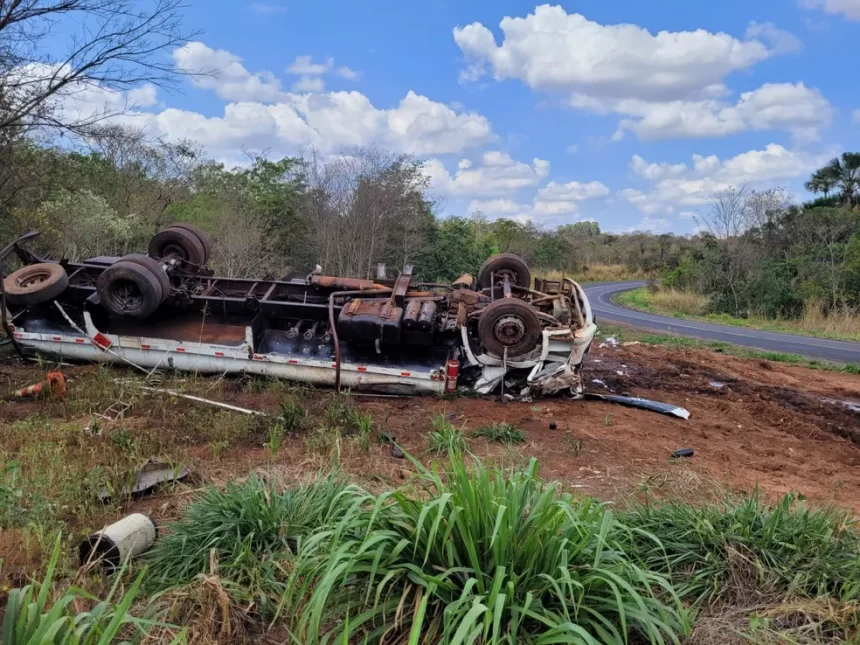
{"x":509,"y":330}
{"x":127,"y":295}
{"x":499,"y":276}
{"x":38,"y":278}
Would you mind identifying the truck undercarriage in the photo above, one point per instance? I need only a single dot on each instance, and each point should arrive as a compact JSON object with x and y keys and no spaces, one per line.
{"x":497,"y":332}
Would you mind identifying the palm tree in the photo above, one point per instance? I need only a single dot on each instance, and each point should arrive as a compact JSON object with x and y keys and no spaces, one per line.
{"x":845,"y":173}
{"x":821,"y":182}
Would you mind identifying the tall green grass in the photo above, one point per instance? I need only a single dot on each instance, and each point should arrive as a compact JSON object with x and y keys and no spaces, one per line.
{"x":250,"y":531}
{"x":32,"y":617}
{"x":750,"y":548}
{"x":477,"y":557}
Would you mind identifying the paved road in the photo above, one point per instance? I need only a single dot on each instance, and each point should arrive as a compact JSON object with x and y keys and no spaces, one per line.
{"x":599,"y":295}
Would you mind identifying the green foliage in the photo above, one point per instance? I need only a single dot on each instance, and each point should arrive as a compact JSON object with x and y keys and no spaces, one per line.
{"x":445,"y":438}
{"x":294,"y":415}
{"x":32,"y":619}
{"x":505,"y":433}
{"x":789,"y":549}
{"x":479,"y":557}
{"x":455,"y":249}
{"x":253,"y":529}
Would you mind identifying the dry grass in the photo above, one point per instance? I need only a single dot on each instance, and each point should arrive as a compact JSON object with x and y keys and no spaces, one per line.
{"x":683,"y":302}
{"x":596,"y":273}
{"x":844,"y":322}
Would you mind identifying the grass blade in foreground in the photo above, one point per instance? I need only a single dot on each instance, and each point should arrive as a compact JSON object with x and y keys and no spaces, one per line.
{"x":479,"y":557}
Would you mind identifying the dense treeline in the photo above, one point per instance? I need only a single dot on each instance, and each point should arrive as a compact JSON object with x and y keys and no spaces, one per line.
{"x":346,"y":213}
{"x":757,"y":254}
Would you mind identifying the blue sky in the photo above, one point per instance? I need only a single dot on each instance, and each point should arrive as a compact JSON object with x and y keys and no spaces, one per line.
{"x":627,"y":112}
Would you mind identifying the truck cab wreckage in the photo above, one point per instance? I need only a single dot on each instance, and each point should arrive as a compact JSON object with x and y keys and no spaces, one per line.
{"x":496,"y":332}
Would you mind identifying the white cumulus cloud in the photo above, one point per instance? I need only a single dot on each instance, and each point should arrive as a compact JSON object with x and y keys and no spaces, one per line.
{"x":497,"y":174}
{"x":260,"y":114}
{"x":665,"y":85}
{"x":680,"y":187}
{"x":848,"y":8}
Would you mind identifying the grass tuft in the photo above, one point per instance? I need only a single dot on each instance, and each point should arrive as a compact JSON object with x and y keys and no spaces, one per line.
{"x":746,"y":550}
{"x":445,"y":438}
{"x":479,"y":557}
{"x":251,"y":531}
{"x":504,"y":433}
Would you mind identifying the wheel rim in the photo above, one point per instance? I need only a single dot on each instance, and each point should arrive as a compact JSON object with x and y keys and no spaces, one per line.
{"x":509,"y":330}
{"x":126,"y":296}
{"x":32,"y":279}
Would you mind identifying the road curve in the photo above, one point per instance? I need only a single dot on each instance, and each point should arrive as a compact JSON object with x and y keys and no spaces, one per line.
{"x":599,"y":295}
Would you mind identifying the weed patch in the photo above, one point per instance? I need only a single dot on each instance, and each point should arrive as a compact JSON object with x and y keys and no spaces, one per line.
{"x":504,"y":433}
{"x":445,"y":438}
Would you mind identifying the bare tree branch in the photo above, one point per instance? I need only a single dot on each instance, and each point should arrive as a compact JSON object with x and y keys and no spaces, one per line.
{"x":117,"y":46}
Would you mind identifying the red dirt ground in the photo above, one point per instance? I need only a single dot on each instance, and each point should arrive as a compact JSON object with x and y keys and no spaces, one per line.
{"x":752,"y":423}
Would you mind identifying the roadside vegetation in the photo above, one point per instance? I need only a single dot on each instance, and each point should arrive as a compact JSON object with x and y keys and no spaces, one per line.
{"x":440,"y":547}
{"x":692,"y":306}
{"x":467,"y":553}
{"x":628,"y":334}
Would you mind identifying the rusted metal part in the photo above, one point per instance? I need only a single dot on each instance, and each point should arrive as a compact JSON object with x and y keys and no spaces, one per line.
{"x":410,"y":315}
{"x":427,"y":316}
{"x":401,"y":286}
{"x":333,"y":325}
{"x":188,"y":328}
{"x":464,"y":281}
{"x":346,"y":284}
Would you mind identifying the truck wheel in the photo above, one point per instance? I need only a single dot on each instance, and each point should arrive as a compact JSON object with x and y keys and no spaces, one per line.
{"x":498,"y":266}
{"x":154,"y":266}
{"x":178,"y":243}
{"x":129,"y":290}
{"x":509,"y":323}
{"x":35,"y":284}
{"x":203,"y":237}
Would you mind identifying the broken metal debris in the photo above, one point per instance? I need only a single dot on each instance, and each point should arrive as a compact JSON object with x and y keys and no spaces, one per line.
{"x":644,"y":404}
{"x":200,"y":399}
{"x":152,"y":474}
{"x":119,"y":542}
{"x":683,"y":452}
{"x":396,"y":452}
{"x":54,"y":384}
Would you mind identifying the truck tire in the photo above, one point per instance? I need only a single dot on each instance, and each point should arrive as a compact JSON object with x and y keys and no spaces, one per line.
{"x":35,"y":283}
{"x":509,"y":323}
{"x":154,"y":266}
{"x":505,"y":264}
{"x":178,"y":243}
{"x":129,"y":290}
{"x":203,"y":237}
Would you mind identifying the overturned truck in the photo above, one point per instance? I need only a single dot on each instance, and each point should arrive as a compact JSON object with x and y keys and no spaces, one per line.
{"x":496,"y":332}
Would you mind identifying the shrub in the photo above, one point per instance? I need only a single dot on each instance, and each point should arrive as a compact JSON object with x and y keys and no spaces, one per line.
{"x":478,"y":557}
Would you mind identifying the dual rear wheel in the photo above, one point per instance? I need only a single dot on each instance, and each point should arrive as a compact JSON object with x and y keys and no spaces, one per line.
{"x":137,"y":285}
{"x":508,"y":326}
